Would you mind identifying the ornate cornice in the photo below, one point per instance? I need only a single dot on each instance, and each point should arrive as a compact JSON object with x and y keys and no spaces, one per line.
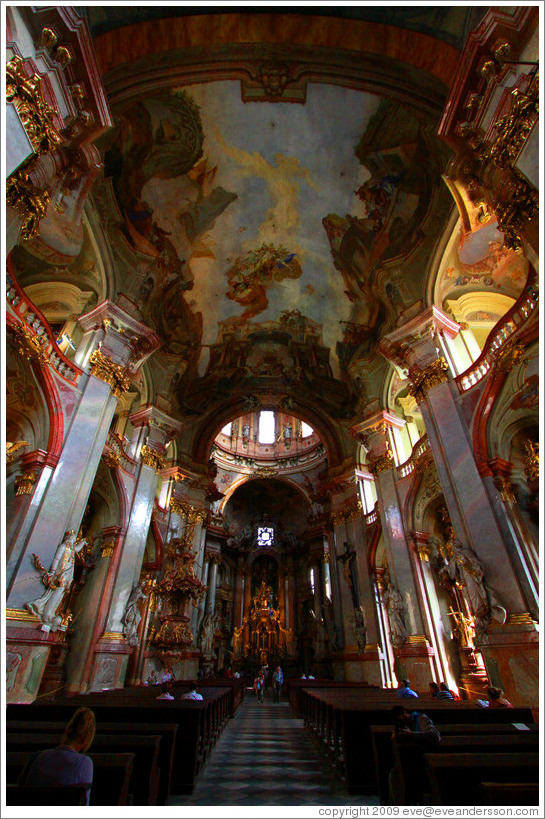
{"x":106,"y":370}
{"x":151,"y":457}
{"x":424,"y":380}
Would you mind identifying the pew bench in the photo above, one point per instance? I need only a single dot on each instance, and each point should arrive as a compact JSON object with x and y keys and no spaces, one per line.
{"x":111,"y":775}
{"x":50,"y":795}
{"x":510,"y":793}
{"x":456,"y":779}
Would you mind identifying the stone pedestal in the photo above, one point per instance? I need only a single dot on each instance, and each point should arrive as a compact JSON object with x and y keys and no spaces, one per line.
{"x":27,"y":653}
{"x":511,"y":656}
{"x":414,"y":662}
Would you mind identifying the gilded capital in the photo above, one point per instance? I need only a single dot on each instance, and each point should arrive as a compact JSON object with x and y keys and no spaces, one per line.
{"x":151,"y":457}
{"x":432,"y":375}
{"x":381,"y":463}
{"x":106,"y":370}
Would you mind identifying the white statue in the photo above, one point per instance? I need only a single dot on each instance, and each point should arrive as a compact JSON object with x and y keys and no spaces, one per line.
{"x":58,"y":581}
{"x":394,"y":604}
{"x":132,"y":616}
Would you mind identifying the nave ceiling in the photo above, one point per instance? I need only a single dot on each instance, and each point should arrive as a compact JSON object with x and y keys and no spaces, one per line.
{"x":272,"y":244}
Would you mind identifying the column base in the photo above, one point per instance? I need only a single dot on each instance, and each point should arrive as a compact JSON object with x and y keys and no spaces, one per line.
{"x":511,"y":657}
{"x":353,"y":665}
{"x":413,"y":661}
{"x":27,"y":653}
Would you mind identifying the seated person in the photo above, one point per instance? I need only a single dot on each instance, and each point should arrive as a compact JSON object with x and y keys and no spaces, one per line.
{"x":66,"y":764}
{"x":152,"y":678}
{"x":414,"y":735}
{"x":192,"y":694}
{"x":405,"y":690}
{"x":496,"y":699}
{"x":165,"y":692}
{"x":434,"y":690}
{"x":444,"y":692}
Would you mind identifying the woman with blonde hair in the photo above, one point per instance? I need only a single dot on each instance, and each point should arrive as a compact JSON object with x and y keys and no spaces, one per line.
{"x":66,"y":764}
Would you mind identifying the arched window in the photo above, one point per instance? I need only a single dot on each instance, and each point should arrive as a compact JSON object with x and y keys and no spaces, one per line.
{"x":306,"y":430}
{"x":227,"y":429}
{"x":266,"y":427}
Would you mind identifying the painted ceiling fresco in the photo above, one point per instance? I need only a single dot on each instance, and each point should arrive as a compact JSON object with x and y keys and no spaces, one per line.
{"x":255,"y":219}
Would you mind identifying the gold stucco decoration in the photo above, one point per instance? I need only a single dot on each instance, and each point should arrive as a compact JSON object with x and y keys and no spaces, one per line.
{"x":431,"y":376}
{"x":106,"y":370}
{"x":381,"y":463}
{"x":153,"y":458}
{"x":29,"y":201}
{"x":25,"y":93}
{"x":24,"y":484}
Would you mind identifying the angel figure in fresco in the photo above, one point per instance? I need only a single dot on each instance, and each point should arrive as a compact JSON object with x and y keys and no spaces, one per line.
{"x":251,"y":275}
{"x":57,"y":581}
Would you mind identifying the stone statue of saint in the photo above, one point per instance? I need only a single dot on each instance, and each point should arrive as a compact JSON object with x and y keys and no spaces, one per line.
{"x":207,"y":634}
{"x":57,"y":581}
{"x":394,"y":605}
{"x":359,"y":629}
{"x":466,"y":568}
{"x":132,"y":616}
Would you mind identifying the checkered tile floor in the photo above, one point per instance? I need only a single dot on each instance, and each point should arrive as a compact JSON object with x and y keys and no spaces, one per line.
{"x":266,"y":757}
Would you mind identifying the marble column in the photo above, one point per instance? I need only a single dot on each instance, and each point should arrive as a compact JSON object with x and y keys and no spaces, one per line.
{"x":213,"y":561}
{"x":413,"y":653}
{"x":509,"y":649}
{"x":59,"y":503}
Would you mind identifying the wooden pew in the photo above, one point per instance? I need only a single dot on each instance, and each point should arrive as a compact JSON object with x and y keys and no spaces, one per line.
{"x":410,"y":759}
{"x":196,"y":721}
{"x":381,"y":737}
{"x":145,"y":773}
{"x":456,"y":779}
{"x":46,"y":795}
{"x":350,"y":714}
{"x":166,"y":732}
{"x":111,"y":775}
{"x":509,"y":793}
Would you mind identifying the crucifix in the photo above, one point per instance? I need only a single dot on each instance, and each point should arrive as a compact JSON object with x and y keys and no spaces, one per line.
{"x":346,"y":559}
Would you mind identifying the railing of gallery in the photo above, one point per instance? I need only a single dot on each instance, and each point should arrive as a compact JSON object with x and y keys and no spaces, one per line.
{"x":519,"y":315}
{"x":33,"y":333}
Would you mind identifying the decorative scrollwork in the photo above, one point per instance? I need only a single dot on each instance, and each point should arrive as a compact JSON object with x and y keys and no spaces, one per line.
{"x":29,"y":201}
{"x":381,"y":463}
{"x":106,"y":370}
{"x":432,"y":375}
{"x":24,"y":484}
{"x":29,"y":344}
{"x":531,"y":461}
{"x":36,"y":115}
{"x":507,"y":357}
{"x":11,"y":449}
{"x":153,"y":458}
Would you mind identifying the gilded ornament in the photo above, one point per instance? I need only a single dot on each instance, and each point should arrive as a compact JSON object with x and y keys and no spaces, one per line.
{"x":106,"y":370}
{"x":63,"y":56}
{"x":112,"y":635}
{"x":506,"y":489}
{"x":11,"y":449}
{"x":152,"y":458}
{"x":36,"y":116}
{"x":381,"y":463}
{"x":107,"y":548}
{"x":29,"y":201}
{"x":513,"y":129}
{"x":431,"y":376}
{"x":49,"y":38}
{"x":21,"y":614}
{"x":522,"y":207}
{"x":531,"y":461}
{"x":423,"y":550}
{"x":30,"y":344}
{"x":24,"y":484}
{"x":111,"y":459}
{"x":522,"y":619}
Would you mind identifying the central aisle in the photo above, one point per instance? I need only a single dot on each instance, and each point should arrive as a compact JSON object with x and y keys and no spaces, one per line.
{"x":265,"y":756}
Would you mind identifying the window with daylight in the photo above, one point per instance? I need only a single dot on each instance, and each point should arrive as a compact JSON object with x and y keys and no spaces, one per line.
{"x":227,"y":429}
{"x":306,"y":430}
{"x":265,"y":536}
{"x":266,"y":427}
